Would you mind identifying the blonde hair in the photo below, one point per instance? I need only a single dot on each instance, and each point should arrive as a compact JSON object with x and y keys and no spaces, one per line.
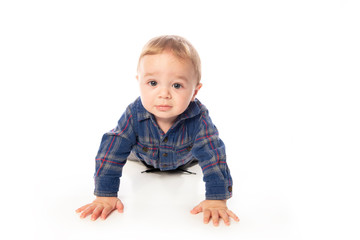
{"x":179,"y":46}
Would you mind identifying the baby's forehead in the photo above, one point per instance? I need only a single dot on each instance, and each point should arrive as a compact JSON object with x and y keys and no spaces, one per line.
{"x":155,"y":60}
{"x":172,"y":54}
{"x":150,"y":64}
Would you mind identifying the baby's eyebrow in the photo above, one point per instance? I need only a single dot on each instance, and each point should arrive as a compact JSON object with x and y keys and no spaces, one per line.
{"x":154,"y":74}
{"x":182,"y":78}
{"x":150,"y":74}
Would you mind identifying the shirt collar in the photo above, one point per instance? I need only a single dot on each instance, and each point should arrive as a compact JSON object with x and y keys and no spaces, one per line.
{"x":192,"y":110}
{"x":142,"y":113}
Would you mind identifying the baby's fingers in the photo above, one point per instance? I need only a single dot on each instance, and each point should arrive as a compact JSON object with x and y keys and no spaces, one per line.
{"x":207,"y":215}
{"x":196,"y":209}
{"x":233,"y":215}
{"x":82,"y":208}
{"x":215,"y":217}
{"x":120,"y":206}
{"x":225,"y":217}
{"x":106,"y":212}
{"x":87,"y":211}
{"x":96,"y":213}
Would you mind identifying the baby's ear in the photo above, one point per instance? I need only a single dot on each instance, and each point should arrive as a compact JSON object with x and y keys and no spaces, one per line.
{"x":197,"y":88}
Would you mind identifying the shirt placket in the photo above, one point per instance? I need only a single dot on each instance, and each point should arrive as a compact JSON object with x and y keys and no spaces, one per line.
{"x":166,"y":153}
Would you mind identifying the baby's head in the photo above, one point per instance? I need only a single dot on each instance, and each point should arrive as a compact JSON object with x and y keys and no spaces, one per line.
{"x":178,"y":46}
{"x":169,"y":73}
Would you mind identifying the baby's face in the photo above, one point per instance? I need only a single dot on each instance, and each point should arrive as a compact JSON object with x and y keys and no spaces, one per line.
{"x":167,"y":85}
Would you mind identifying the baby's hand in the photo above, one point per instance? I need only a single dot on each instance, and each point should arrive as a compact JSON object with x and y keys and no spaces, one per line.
{"x":101,"y":206}
{"x":215,"y":209}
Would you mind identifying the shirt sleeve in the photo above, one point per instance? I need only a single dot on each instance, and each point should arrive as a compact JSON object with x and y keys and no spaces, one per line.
{"x":114,"y":149}
{"x":209,"y":150}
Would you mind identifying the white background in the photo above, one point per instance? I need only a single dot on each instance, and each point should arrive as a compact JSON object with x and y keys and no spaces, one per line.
{"x":281,"y":81}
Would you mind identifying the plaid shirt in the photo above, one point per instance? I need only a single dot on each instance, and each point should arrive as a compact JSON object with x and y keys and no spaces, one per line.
{"x":193,"y":135}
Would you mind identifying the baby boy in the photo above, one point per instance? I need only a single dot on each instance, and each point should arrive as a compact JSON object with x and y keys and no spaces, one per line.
{"x":166,"y":128}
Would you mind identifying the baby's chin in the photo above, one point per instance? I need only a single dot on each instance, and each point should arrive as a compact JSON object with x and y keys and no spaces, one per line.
{"x":164,"y":112}
{"x":165,"y":115}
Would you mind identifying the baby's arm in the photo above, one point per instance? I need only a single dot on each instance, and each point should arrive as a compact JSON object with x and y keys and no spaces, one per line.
{"x":112,"y":155}
{"x":215,"y":209}
{"x":101,"y":207}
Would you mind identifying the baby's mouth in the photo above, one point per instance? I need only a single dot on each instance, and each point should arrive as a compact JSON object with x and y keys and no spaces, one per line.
{"x":163,"y":108}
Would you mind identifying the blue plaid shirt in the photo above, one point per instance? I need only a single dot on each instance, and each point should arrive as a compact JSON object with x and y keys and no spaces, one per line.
{"x":193,"y":135}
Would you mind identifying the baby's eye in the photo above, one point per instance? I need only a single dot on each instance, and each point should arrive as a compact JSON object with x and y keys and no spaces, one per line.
{"x":152,"y":83}
{"x":177,"y":85}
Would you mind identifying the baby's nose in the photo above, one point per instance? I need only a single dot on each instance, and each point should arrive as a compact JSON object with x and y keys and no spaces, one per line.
{"x":164,"y":93}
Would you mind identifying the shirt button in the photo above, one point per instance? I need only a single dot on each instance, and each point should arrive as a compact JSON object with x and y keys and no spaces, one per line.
{"x":165,"y":154}
{"x":230,"y":188}
{"x":166,"y":139}
{"x":145,"y":149}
